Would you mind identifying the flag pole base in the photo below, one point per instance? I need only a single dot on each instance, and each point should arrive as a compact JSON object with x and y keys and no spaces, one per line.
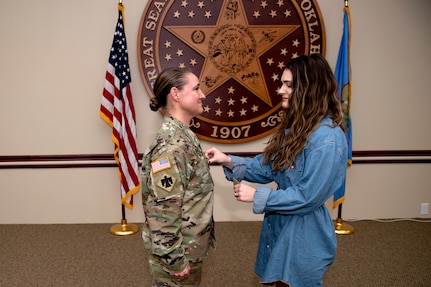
{"x":343,"y":228}
{"x":124,"y":228}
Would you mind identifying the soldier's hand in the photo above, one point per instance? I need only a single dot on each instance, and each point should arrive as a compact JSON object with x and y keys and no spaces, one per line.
{"x":183,"y":274}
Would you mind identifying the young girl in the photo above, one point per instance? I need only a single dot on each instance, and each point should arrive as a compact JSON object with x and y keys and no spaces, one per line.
{"x":307,"y":158}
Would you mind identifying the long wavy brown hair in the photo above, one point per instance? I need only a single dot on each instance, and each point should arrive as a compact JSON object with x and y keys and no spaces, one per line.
{"x":314,"y":97}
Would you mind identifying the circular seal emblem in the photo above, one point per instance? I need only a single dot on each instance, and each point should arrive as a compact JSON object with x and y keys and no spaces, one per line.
{"x":238,"y":49}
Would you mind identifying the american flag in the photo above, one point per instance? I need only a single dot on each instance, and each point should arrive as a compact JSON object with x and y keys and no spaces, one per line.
{"x":160,"y":164}
{"x":117,"y":110}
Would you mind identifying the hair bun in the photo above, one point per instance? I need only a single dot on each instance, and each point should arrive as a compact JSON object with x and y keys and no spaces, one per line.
{"x":154,"y":104}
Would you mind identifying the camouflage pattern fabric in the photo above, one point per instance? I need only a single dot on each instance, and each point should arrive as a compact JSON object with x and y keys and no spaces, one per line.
{"x":177,"y":197}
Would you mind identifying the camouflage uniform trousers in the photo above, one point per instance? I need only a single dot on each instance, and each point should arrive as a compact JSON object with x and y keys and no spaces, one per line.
{"x":161,"y":278}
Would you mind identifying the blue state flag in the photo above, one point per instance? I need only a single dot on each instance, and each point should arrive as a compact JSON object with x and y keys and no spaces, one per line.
{"x":343,"y":77}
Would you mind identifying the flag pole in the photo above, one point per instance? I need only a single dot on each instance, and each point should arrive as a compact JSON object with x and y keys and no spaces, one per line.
{"x":340,"y":226}
{"x":124,"y":228}
{"x":342,"y":73}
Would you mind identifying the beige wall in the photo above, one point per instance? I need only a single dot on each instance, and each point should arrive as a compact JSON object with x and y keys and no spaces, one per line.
{"x":52,"y":66}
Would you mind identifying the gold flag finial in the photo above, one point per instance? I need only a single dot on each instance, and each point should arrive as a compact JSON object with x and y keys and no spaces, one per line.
{"x":346,"y":3}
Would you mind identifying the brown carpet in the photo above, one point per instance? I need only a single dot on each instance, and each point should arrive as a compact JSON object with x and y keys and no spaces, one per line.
{"x":377,"y":254}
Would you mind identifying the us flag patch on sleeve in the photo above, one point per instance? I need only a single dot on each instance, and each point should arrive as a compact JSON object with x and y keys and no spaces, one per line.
{"x":160,"y":164}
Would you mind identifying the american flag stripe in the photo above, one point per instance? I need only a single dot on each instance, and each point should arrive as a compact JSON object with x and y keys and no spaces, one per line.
{"x":107,"y":107}
{"x":117,"y":111}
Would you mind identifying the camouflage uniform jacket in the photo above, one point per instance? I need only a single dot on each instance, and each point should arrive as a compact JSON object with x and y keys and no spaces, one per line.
{"x":177,"y":197}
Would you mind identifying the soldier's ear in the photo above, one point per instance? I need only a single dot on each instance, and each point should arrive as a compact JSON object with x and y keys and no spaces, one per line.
{"x":174,"y":93}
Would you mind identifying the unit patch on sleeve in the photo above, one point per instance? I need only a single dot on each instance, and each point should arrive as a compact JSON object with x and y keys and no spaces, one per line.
{"x":166,"y":182}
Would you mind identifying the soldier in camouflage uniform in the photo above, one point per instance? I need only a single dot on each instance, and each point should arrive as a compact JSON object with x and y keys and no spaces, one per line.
{"x":177,"y":187}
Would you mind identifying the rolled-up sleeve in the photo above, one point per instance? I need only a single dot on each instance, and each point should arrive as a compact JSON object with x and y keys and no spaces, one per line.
{"x":239,"y":168}
{"x":260,"y":198}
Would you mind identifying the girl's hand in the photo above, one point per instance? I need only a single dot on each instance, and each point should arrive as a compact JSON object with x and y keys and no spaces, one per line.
{"x":244,"y":192}
{"x":214,"y":156}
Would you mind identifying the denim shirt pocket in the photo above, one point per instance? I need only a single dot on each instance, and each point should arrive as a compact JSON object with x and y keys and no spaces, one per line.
{"x":291,"y":175}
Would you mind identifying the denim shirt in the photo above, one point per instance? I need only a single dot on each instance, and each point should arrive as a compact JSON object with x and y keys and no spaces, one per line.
{"x":298,"y":241}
